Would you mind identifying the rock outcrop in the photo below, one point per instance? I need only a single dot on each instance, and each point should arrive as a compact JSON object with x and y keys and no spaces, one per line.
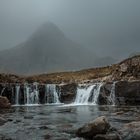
{"x":93,"y":128}
{"x":128,"y":69}
{"x":4,"y":102}
{"x":125,"y":92}
{"x":68,"y":92}
{"x":100,"y":129}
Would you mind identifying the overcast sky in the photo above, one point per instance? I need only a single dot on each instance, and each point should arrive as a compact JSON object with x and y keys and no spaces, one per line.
{"x":108,"y":27}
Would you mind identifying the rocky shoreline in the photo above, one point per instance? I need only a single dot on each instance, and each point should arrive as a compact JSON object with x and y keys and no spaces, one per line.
{"x":101,"y":129}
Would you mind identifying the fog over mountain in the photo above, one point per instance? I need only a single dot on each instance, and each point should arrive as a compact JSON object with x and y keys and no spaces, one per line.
{"x":98,"y":31}
{"x":47,"y":50}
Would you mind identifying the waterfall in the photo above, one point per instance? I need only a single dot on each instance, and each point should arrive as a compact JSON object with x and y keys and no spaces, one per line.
{"x":96,"y":92}
{"x":3,"y":91}
{"x":87,"y":94}
{"x":83,"y":94}
{"x":51,"y":94}
{"x":112,"y":94}
{"x":31,"y":95}
{"x":17,"y":94}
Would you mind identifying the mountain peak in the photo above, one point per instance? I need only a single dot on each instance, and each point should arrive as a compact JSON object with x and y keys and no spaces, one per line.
{"x":48,"y":30}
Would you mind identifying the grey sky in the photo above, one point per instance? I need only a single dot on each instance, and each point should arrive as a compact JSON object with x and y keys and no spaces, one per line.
{"x":108,"y":27}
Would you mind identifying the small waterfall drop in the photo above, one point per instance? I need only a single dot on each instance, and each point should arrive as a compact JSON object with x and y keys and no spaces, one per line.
{"x":3,"y":91}
{"x":31,"y":94}
{"x":88,"y":94}
{"x":112,"y":94}
{"x":51,"y":94}
{"x":96,"y":92}
{"x":17,"y":95}
{"x":83,"y":94}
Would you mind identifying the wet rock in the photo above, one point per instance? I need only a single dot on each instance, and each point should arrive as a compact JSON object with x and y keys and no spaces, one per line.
{"x":10,"y":120}
{"x":17,"y":121}
{"x":77,"y":138}
{"x":131,"y":131}
{"x":128,"y":93}
{"x":2,"y":121}
{"x":2,"y":137}
{"x":97,"y":126}
{"x":4,"y":102}
{"x":43,"y":127}
{"x":47,"y":137}
{"x":28,"y":117}
{"x":68,"y":92}
{"x":105,"y":93}
{"x":110,"y":136}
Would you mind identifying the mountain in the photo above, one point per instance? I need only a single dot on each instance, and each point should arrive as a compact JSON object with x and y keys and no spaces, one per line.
{"x":47,"y":50}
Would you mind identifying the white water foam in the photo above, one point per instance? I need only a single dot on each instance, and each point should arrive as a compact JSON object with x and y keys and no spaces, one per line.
{"x":51,"y":93}
{"x":87,"y":94}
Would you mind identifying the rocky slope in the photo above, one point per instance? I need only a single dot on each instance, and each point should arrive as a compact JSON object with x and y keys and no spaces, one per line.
{"x":127,"y":70}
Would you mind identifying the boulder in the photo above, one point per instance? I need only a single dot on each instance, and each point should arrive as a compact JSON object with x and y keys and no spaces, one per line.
{"x":93,"y":128}
{"x":68,"y":92}
{"x":130,"y":131}
{"x":4,"y":102}
{"x":110,"y":136}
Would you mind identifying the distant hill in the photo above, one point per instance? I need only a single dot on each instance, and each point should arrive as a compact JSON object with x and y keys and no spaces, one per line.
{"x":48,"y":50}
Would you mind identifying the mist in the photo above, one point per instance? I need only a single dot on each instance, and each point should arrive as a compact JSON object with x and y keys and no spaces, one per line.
{"x":107,"y":27}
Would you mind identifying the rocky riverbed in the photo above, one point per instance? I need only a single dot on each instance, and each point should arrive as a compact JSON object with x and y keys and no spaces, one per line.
{"x":62,"y":122}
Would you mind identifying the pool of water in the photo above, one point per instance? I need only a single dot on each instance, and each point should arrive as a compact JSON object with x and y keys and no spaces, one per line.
{"x":59,"y":122}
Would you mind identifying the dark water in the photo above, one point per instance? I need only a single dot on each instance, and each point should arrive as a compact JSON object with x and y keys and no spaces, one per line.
{"x":58,"y":122}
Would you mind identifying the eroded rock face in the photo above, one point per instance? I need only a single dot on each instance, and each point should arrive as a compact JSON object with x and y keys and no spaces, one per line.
{"x":128,"y":69}
{"x":68,"y":92}
{"x":128,"y":93}
{"x":125,"y":92}
{"x":93,"y":128}
{"x":105,"y":93}
{"x":4,"y":102}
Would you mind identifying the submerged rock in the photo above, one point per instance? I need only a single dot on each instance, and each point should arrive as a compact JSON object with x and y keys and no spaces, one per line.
{"x":2,"y":121}
{"x":110,"y":136}
{"x":91,"y":129}
{"x":4,"y":102}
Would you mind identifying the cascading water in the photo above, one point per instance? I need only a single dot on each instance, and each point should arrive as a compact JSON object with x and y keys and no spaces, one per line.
{"x":112,"y":94}
{"x":31,"y":95}
{"x":83,"y":94}
{"x":17,"y":95}
{"x":51,"y":94}
{"x":96,"y":92}
{"x":87,"y":95}
{"x":2,"y":91}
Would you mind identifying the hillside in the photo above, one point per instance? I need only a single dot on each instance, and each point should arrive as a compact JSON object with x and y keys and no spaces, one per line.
{"x":128,"y":69}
